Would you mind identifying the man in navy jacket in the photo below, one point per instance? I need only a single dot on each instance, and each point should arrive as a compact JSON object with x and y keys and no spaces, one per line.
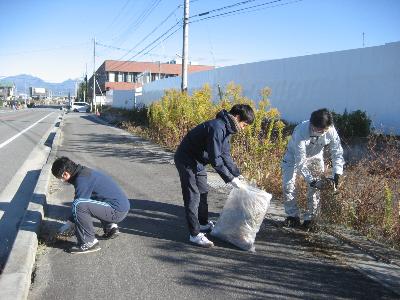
{"x":208,"y":143}
{"x":96,"y":195}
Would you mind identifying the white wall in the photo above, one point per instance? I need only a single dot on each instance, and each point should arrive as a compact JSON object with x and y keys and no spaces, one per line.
{"x":100,"y":100}
{"x":367,"y":79}
{"x":123,"y":98}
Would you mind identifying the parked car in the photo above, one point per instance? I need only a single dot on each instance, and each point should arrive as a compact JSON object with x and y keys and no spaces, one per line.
{"x":80,"y":107}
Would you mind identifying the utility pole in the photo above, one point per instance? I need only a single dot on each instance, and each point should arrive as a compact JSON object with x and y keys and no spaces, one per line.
{"x":363,"y":39}
{"x":185,"y":46}
{"x":84,"y":89}
{"x":94,"y":76}
{"x":219,"y":92}
{"x":86,"y":86}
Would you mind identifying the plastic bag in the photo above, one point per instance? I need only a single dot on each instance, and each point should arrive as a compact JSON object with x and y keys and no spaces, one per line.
{"x":241,"y":217}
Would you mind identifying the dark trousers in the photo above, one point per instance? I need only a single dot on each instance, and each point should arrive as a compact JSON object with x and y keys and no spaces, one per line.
{"x":194,"y":191}
{"x":83,"y":212}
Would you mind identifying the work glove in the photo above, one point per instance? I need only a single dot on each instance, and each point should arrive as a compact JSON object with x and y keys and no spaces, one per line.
{"x":237,"y":183}
{"x":336,"y":178}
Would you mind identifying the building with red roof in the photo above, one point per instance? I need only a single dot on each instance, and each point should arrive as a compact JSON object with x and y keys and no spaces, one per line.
{"x":128,"y":75}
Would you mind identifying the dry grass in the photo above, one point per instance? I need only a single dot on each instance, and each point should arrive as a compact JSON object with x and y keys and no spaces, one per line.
{"x":368,"y":197}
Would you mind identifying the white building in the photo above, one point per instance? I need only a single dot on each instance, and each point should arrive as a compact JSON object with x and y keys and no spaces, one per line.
{"x":367,"y":79}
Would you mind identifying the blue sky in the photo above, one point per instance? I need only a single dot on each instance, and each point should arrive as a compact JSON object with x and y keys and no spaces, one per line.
{"x":54,"y":39}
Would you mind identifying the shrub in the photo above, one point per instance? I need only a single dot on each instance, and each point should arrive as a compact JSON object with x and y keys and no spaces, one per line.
{"x":368,"y":197}
{"x":354,"y":124}
{"x":136,"y":116}
{"x":257,"y":150}
{"x":176,"y":113}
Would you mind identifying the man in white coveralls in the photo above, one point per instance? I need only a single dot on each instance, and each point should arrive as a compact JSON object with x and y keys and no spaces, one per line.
{"x":304,"y":152}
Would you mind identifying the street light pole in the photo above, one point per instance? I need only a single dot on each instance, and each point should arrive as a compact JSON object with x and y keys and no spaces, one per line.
{"x":185,"y":46}
{"x":94,"y":75}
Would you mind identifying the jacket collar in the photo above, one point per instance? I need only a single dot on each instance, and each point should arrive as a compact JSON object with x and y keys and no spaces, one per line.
{"x":230,"y":125}
{"x":75,"y":173}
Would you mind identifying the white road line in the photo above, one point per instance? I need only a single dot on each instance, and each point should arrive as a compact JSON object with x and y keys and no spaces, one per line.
{"x":23,"y":131}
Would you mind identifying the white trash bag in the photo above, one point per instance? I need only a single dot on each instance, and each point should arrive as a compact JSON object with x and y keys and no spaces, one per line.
{"x":241,"y":217}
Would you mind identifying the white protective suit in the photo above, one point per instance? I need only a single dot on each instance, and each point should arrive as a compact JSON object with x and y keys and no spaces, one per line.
{"x":304,"y":155}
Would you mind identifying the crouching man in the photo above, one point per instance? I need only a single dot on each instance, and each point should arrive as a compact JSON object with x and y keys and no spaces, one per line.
{"x":96,"y":196}
{"x":208,"y":143}
{"x":305,"y":153}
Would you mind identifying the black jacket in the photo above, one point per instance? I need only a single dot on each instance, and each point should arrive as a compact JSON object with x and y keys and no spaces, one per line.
{"x":209,"y":143}
{"x":95,"y":185}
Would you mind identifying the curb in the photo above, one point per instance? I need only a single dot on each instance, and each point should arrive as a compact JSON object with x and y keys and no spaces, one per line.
{"x":16,"y":278}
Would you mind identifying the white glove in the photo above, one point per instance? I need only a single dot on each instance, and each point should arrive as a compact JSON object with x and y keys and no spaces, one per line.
{"x":241,"y":177}
{"x":236,"y":183}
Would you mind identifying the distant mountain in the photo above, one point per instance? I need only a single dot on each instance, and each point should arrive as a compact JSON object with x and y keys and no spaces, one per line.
{"x":24,"y":81}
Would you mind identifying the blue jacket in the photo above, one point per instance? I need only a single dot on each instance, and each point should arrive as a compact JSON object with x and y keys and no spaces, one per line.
{"x":209,"y":143}
{"x":95,"y":185}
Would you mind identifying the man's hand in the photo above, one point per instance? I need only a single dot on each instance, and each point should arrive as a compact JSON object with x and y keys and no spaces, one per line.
{"x":336,"y":178}
{"x":237,"y":183}
{"x":241,"y":177}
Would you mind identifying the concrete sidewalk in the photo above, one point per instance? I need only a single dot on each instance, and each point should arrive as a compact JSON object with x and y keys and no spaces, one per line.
{"x":152,"y":258}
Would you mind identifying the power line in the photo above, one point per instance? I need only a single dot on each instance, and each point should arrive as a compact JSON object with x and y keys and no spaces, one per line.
{"x":148,"y":35}
{"x":117,"y":48}
{"x":116,"y":16}
{"x":166,"y":36}
{"x":162,"y":41}
{"x":272,"y":6}
{"x":151,"y":44}
{"x":137,"y":22}
{"x":247,"y":10}
{"x":145,"y":38}
{"x":223,"y":8}
{"x":111,"y":47}
{"x":154,"y":41}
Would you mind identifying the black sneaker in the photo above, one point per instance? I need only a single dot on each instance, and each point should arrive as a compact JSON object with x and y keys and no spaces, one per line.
{"x":85,"y":248}
{"x":292,"y":222}
{"x":111,"y":233}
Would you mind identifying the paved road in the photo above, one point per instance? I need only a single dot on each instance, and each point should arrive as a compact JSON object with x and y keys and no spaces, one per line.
{"x":152,"y":258}
{"x":21,"y":160}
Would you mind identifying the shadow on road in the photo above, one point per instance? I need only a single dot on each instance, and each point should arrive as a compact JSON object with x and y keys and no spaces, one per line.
{"x":283,"y":265}
{"x":13,"y":212}
{"x":128,"y":147}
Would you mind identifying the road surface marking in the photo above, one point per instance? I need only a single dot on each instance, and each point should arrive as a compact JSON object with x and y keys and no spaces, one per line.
{"x":23,"y":131}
